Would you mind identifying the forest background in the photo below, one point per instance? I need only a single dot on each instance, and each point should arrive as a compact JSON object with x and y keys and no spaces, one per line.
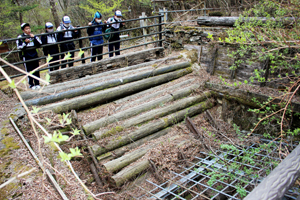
{"x":37,"y":13}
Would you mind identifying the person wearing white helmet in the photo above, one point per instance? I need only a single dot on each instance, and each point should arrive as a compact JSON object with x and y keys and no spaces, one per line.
{"x":68,"y":34}
{"x":52,"y":49}
{"x":26,"y":42}
{"x":115,"y":36}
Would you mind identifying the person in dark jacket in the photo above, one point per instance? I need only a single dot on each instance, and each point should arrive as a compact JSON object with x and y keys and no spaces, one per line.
{"x":69,"y":34}
{"x":52,"y":49}
{"x":26,"y":42}
{"x":97,"y":28}
{"x":116,"y":36}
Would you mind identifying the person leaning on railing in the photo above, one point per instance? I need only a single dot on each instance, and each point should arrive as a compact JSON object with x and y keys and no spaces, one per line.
{"x":98,"y":28}
{"x":69,"y":34}
{"x":25,"y":41}
{"x":53,"y":49}
{"x":115,"y":36}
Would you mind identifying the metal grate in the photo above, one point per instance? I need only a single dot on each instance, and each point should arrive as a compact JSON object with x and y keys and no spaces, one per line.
{"x":227,"y":174}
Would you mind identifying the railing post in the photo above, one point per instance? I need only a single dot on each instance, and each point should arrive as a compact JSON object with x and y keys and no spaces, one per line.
{"x":80,"y":45}
{"x":142,"y":24}
{"x":160,"y":30}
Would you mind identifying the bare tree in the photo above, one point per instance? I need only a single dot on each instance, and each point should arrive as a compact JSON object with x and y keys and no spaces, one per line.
{"x":54,"y":12}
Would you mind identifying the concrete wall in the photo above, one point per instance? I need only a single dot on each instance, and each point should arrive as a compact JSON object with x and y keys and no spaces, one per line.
{"x":125,"y":60}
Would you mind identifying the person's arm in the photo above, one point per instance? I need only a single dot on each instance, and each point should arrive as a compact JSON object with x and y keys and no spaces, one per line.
{"x":36,"y":40}
{"x":103,"y":27}
{"x":59,"y":35}
{"x":90,"y":30}
{"x":21,"y":44}
{"x":44,"y":41}
{"x":75,"y":33}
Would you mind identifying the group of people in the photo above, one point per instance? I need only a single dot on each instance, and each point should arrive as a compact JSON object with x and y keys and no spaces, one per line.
{"x":67,"y":33}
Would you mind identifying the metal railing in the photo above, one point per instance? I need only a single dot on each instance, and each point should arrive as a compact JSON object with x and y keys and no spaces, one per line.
{"x":80,"y":39}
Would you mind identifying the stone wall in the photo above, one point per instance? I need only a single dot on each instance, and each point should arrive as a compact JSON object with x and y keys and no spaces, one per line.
{"x":125,"y":60}
{"x":213,"y":56}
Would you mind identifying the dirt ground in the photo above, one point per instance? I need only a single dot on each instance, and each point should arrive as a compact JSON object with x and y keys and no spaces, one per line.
{"x":16,"y":159}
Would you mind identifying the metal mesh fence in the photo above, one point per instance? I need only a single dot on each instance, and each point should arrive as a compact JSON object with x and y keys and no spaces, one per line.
{"x":229,"y":173}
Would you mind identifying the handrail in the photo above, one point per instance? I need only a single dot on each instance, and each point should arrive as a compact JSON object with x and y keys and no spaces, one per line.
{"x":83,"y":27}
{"x":159,"y":41}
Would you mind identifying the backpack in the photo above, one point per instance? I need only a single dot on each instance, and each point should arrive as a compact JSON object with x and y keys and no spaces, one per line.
{"x":108,"y":36}
{"x":108,"y":30}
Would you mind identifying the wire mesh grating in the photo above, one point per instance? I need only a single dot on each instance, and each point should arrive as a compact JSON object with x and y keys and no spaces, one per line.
{"x":229,"y":173}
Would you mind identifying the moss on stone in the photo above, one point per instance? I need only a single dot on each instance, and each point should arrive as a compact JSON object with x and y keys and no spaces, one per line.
{"x":10,"y":144}
{"x":4,"y":131}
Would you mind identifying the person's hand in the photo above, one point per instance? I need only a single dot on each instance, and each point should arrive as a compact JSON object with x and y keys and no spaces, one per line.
{"x":90,"y":24}
{"x":104,"y":21}
{"x":27,"y":40}
{"x":31,"y":35}
{"x":123,"y":23}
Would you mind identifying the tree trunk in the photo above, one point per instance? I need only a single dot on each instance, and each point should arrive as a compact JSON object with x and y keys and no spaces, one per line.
{"x":55,"y":88}
{"x":244,"y":97}
{"x":113,"y":93}
{"x":120,"y":151}
{"x":151,"y":94}
{"x":159,"y":112}
{"x":229,"y":21}
{"x":95,"y":125}
{"x":135,"y":169}
{"x":20,"y":13}
{"x":103,"y":85}
{"x":130,"y":172}
{"x":154,"y":127}
{"x":125,"y":160}
{"x":54,"y":13}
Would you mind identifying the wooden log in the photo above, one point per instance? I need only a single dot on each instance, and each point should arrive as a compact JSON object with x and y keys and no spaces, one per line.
{"x":113,"y":93}
{"x":142,"y":93}
{"x":244,"y":97}
{"x":120,"y":151}
{"x":91,"y":127}
{"x":125,"y":160}
{"x":119,"y":163}
{"x":229,"y":21}
{"x":130,"y":172}
{"x":160,"y":112}
{"x":124,"y":60}
{"x":53,"y":88}
{"x":103,"y":85}
{"x":151,"y":128}
{"x":151,"y":94}
{"x":134,"y":170}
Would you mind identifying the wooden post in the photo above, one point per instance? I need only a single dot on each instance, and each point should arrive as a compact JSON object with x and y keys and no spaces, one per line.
{"x":165,"y":15}
{"x":143,"y":23}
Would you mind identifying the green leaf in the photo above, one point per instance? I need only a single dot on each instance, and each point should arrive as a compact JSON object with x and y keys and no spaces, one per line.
{"x":68,"y":56}
{"x":48,"y":120}
{"x":65,"y":116}
{"x":47,"y":78}
{"x":59,"y":137}
{"x":0,"y":43}
{"x":35,"y":110}
{"x":75,"y":131}
{"x":12,"y":85}
{"x":68,"y":121}
{"x":75,"y":152}
{"x":80,"y":53}
{"x":47,"y":139}
{"x":24,"y":82}
{"x":64,"y":156}
{"x":49,"y":58}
